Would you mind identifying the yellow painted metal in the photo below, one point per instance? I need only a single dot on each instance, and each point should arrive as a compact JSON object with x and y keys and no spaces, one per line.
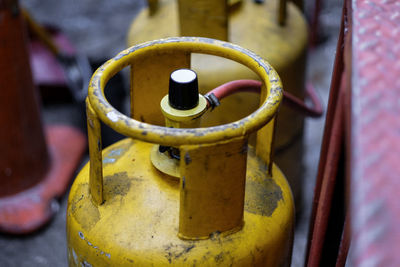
{"x":138,"y":222}
{"x":213,"y":184}
{"x":250,"y":25}
{"x":272,"y":90}
{"x":231,"y":206}
{"x":92,"y":229}
{"x":204,"y":18}
{"x":164,"y":162}
{"x":143,"y":83}
{"x":95,"y":147}
{"x":177,"y":118}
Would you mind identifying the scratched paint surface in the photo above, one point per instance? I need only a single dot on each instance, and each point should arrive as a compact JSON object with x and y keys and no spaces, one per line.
{"x":138,"y":222}
{"x":272,"y":89}
{"x":139,"y":206}
{"x":113,"y":155}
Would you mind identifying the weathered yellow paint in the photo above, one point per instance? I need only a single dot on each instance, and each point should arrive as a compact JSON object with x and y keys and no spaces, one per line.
{"x":252,"y":26}
{"x":204,"y":18}
{"x":212,"y":188}
{"x":95,"y":147}
{"x":147,"y":92}
{"x":234,"y":206}
{"x":172,"y":136}
{"x":164,"y":163}
{"x":138,"y":222}
{"x":177,"y":119}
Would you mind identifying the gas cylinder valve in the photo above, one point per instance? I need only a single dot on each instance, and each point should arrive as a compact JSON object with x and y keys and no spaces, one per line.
{"x":183,"y":89}
{"x":182,"y":108}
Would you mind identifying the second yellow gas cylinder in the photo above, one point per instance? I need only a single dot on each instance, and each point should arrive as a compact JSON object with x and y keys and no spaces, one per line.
{"x":275,"y":29}
{"x":246,"y":23}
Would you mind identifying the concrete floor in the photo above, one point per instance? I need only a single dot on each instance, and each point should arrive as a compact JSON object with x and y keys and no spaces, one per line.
{"x":98,"y":28}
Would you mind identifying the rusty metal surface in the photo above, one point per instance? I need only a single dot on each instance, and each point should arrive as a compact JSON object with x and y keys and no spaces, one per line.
{"x":375,"y":133}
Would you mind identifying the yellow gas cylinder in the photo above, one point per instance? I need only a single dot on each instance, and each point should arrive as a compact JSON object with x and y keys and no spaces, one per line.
{"x":275,"y":29}
{"x":176,"y":195}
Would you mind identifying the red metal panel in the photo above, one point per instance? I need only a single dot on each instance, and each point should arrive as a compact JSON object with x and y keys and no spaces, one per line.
{"x":375,"y":136}
{"x":331,"y":149}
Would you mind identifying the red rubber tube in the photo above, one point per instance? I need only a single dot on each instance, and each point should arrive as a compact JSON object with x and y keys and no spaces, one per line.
{"x":290,"y":100}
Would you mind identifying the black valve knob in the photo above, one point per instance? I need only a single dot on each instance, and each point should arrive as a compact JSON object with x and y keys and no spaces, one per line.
{"x":183,"y":89}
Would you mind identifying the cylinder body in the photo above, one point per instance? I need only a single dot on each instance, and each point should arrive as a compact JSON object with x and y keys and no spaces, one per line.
{"x":228,"y":203}
{"x":138,"y":222}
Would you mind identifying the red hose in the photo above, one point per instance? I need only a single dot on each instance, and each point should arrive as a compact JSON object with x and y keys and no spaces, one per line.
{"x":254,"y":86}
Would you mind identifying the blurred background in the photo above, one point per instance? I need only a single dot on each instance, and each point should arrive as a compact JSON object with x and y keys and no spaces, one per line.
{"x":98,"y":29}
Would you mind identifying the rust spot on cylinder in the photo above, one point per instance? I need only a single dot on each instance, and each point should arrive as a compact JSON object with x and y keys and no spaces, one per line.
{"x":117,"y":184}
{"x":262,"y":197}
{"x":83,"y":209}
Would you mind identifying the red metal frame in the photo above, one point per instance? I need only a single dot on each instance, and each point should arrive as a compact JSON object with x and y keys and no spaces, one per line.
{"x":331,"y":149}
{"x":368,"y":67}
